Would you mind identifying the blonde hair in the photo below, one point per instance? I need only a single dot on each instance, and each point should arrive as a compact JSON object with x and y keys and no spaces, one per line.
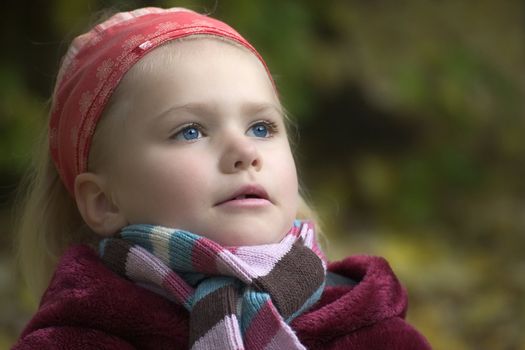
{"x":49,"y":220}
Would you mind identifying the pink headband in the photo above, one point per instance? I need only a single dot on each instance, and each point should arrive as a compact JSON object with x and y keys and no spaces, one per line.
{"x":97,"y":61}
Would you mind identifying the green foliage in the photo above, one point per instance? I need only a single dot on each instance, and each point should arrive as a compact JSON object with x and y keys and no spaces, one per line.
{"x":21,"y":120}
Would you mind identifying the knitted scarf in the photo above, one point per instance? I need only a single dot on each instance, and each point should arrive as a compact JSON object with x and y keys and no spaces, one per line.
{"x":238,"y":298}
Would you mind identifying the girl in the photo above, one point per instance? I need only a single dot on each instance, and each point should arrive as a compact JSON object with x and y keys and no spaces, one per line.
{"x":168,"y":150}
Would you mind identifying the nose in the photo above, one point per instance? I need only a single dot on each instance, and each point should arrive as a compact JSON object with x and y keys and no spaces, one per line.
{"x":240,"y":153}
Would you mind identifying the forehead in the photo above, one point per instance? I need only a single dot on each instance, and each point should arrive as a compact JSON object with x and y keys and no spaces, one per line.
{"x":197,"y":71}
{"x":202,"y":50}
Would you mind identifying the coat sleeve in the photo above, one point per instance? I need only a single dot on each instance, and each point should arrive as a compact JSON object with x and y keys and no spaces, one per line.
{"x":70,"y":338}
{"x":390,"y":334}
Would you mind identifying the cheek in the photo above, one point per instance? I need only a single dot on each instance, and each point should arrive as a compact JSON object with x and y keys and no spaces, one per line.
{"x":160,"y":187}
{"x":177,"y":181}
{"x":285,"y":170}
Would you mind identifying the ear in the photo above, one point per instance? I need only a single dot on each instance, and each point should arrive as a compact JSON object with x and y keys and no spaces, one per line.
{"x":96,"y":206}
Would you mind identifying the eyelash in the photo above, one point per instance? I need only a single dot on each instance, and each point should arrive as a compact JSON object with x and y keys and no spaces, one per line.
{"x":272,"y":127}
{"x":180,"y":130}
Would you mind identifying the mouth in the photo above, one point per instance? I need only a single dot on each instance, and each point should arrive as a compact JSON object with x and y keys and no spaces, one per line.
{"x":249,"y":192}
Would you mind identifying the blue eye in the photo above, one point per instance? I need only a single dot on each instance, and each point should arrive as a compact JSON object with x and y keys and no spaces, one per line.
{"x":262,"y":129}
{"x":189,"y":133}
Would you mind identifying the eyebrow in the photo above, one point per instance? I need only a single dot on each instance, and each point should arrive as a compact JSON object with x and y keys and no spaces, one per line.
{"x":206,"y":108}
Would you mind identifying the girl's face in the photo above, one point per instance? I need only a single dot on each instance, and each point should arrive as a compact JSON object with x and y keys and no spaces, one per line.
{"x":203,"y":146}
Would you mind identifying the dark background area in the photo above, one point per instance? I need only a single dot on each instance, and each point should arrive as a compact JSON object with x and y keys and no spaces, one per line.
{"x":410,"y":140}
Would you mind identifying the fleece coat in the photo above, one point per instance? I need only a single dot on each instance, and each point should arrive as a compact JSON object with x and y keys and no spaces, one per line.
{"x":87,"y":306}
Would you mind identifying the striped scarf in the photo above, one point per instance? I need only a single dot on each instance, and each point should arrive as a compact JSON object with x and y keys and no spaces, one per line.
{"x":238,"y":298}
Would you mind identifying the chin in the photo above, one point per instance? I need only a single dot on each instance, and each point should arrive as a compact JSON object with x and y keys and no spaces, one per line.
{"x":248,"y":232}
{"x":233,"y":239}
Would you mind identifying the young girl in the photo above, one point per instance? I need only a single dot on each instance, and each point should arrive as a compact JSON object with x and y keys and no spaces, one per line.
{"x":169,"y":191}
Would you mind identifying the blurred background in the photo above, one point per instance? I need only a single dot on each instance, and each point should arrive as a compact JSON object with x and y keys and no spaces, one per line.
{"x":410,"y":142}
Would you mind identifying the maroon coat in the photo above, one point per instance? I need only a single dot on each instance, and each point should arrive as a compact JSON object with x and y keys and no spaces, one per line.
{"x":87,"y":306}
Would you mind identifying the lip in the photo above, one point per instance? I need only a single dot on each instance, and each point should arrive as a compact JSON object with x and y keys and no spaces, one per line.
{"x":254,"y":195}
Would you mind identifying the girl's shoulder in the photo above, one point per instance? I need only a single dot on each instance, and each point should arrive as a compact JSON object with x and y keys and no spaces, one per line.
{"x":84,"y":297}
{"x":363,"y":307}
